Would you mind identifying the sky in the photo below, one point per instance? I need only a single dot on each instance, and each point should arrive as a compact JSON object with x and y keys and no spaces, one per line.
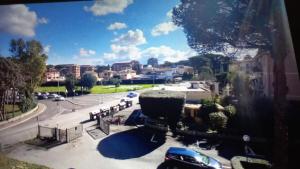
{"x":97,"y":32}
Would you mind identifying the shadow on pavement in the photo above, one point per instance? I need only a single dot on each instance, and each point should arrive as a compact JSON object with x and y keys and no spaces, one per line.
{"x":225,"y":149}
{"x":134,"y":118}
{"x":168,"y":165}
{"x":44,"y":143}
{"x":129,"y":144}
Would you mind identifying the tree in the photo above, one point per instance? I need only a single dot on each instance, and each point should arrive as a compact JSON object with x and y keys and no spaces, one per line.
{"x":30,"y":56}
{"x":10,"y":78}
{"x":116,"y":81}
{"x":187,"y":76}
{"x":216,"y":25}
{"x":88,"y":80}
{"x":70,"y":83}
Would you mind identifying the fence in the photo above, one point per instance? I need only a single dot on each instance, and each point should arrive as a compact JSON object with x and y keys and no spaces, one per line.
{"x":74,"y":132}
{"x":61,"y":135}
{"x":46,"y":132}
{"x":103,"y":125}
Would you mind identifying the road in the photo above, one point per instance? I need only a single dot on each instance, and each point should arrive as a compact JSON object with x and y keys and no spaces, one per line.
{"x":28,"y":129}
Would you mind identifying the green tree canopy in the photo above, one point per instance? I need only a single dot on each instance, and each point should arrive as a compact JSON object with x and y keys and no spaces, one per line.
{"x":70,"y":82}
{"x":32,"y":60}
{"x":88,"y":80}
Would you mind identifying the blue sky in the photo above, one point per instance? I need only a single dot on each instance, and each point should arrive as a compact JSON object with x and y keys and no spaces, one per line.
{"x":95,"y":33}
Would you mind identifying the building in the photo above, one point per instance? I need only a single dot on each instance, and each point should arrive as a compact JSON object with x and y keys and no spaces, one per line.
{"x":106,"y":74}
{"x":86,"y":68}
{"x":193,"y":94}
{"x":136,"y":66}
{"x":73,"y":69}
{"x":53,"y":75}
{"x":291,"y":72}
{"x":131,"y":65}
{"x":119,"y":66}
{"x":180,"y":69}
{"x":153,"y":62}
{"x":126,"y":74}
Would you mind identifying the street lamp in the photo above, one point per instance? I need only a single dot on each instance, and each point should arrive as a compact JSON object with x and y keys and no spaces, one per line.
{"x":58,"y":79}
{"x":248,"y":150}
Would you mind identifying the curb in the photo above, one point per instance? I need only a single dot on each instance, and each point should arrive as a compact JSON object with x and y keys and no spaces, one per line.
{"x":24,"y":117}
{"x":75,"y":103}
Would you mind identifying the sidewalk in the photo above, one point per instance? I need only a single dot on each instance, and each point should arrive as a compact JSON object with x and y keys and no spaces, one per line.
{"x":23,"y":117}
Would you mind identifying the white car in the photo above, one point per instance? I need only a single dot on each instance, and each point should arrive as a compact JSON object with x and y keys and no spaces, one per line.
{"x":59,"y":98}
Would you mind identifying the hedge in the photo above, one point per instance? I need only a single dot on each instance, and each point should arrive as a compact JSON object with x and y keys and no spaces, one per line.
{"x":218,"y":120}
{"x":168,"y":105}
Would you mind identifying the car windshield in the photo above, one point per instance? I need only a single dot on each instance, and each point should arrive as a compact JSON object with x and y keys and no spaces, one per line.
{"x":203,"y":158}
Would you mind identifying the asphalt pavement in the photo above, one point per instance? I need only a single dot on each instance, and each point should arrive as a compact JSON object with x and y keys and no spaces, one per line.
{"x":28,"y":129}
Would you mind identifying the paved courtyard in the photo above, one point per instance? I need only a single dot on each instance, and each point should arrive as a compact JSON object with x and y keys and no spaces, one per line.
{"x":126,"y":147}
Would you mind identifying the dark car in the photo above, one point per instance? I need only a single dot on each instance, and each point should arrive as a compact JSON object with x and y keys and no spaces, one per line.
{"x":42,"y":97}
{"x":188,"y":158}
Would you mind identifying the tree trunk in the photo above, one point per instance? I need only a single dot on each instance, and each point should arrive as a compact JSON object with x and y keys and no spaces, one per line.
{"x":280,"y":124}
{"x":280,"y":50}
{"x":14,"y":101}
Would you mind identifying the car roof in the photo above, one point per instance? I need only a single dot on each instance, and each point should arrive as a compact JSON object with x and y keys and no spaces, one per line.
{"x":182,"y":151}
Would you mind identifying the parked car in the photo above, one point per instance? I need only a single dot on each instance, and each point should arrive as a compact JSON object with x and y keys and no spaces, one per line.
{"x":51,"y":96}
{"x":183,"y":157}
{"x":132,"y":94}
{"x":42,"y":97}
{"x":59,"y":98}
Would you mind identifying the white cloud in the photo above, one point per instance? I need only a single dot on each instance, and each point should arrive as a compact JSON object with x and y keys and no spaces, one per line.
{"x":163,"y":53}
{"x":47,"y":49}
{"x":17,"y":20}
{"x":117,"y":26}
{"x":104,"y":7}
{"x":130,"y":52}
{"x":166,"y":53}
{"x":43,"y":20}
{"x":163,"y":28}
{"x":131,"y":38}
{"x":170,"y":14}
{"x":83,"y":52}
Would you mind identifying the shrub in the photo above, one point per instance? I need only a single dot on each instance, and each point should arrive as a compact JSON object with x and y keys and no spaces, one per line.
{"x":230,"y":111}
{"x":218,"y":120}
{"x":166,"y":104}
{"x":207,"y":107}
{"x":26,"y":104}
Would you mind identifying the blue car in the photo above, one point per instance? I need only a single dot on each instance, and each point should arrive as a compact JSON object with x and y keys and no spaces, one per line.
{"x":132,"y":95}
{"x":187,"y":158}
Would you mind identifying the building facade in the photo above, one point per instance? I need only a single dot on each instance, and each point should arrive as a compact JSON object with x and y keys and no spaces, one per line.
{"x":86,"y":68}
{"x":73,"y":69}
{"x":119,"y":66}
{"x":52,"y":75}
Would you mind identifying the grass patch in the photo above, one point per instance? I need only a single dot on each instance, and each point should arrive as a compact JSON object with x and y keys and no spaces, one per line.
{"x":98,"y":89}
{"x":51,"y":89}
{"x":8,"y":108}
{"x":121,"y":88}
{"x":8,"y":163}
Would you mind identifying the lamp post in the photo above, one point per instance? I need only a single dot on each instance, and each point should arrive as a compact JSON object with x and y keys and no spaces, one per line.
{"x":58,"y":105}
{"x":58,"y":79}
{"x":246,"y":139}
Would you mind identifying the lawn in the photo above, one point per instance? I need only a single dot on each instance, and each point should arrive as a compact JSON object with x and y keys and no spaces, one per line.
{"x":98,"y":89}
{"x":121,"y":88}
{"x":8,"y":163}
{"x":8,"y":108}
